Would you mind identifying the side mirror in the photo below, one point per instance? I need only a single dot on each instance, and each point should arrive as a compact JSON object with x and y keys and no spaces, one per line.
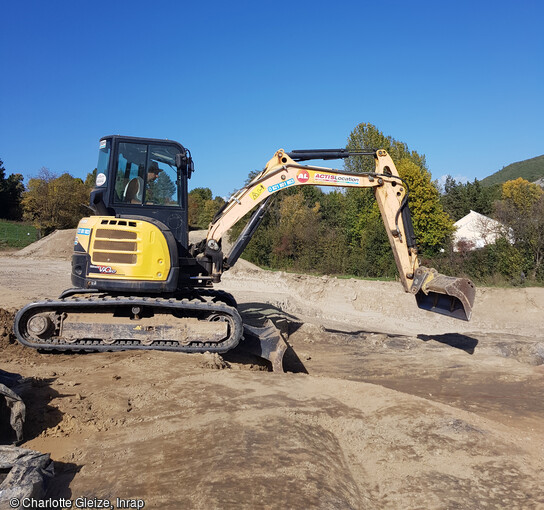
{"x":184,"y":162}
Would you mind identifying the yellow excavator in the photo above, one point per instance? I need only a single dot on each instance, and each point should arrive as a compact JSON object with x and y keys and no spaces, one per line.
{"x":139,"y":283}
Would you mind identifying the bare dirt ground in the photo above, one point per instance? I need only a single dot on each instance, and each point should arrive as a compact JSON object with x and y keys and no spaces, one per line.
{"x":385,"y":406}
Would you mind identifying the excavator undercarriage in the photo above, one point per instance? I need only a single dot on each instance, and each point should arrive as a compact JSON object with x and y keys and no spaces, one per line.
{"x":107,"y":323}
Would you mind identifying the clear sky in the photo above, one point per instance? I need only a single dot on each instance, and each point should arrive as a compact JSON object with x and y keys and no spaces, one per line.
{"x":461,"y":82}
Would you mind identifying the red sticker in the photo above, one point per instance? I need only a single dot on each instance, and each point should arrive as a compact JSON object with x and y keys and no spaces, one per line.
{"x":303,"y":176}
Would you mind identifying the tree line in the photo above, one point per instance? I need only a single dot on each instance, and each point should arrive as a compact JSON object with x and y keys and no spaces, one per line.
{"x":517,"y":255}
{"x":53,"y":202}
{"x":11,"y":192}
{"x":340,"y":232}
{"x":48,"y":201}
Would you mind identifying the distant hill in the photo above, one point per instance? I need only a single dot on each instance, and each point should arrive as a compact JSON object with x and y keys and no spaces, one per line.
{"x":530,"y":169}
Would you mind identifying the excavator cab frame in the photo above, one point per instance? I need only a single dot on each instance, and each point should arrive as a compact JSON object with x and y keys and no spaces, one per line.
{"x":124,"y":165}
{"x":124,"y":189}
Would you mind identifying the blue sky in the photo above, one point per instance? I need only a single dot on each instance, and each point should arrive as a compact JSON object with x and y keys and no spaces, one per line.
{"x":461,"y":82}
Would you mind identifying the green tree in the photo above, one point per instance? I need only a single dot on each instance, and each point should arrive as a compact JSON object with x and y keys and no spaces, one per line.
{"x":521,"y":210}
{"x":52,"y":202}
{"x":374,"y":257}
{"x":297,"y":234}
{"x":90,"y":180}
{"x":368,"y":136}
{"x":202,"y":193}
{"x":431,"y":224}
{"x":460,"y":198}
{"x":11,"y":190}
{"x":455,"y":199}
{"x":162,"y":191}
{"x":202,"y":207}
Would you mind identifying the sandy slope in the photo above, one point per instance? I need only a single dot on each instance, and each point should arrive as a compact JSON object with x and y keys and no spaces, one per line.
{"x":386,"y":406}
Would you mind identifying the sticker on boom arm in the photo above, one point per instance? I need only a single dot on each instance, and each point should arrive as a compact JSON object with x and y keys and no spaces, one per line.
{"x":256,"y":193}
{"x":281,"y":185}
{"x":303,"y":176}
{"x":324,"y":178}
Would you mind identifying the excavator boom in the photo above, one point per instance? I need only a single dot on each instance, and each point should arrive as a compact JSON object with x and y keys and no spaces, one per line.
{"x":446,"y":295}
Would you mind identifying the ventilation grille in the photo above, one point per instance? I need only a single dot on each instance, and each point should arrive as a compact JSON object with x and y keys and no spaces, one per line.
{"x":122,"y":223}
{"x":110,"y":233}
{"x":100,"y":244}
{"x":115,"y":246}
{"x":114,"y":258}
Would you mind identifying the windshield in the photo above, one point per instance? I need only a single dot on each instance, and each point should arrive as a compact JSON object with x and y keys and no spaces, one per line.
{"x":146,"y":174}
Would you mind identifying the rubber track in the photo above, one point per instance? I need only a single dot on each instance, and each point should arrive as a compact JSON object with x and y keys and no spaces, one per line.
{"x":214,"y":295}
{"x":81,"y":304}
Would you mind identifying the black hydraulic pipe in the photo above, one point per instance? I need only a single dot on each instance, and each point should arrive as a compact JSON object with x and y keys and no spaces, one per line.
{"x":247,"y":233}
{"x":304,"y":155}
{"x":408,"y":226}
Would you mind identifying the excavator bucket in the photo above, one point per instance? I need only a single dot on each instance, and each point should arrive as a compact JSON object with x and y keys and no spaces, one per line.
{"x":442,"y":294}
{"x":266,"y":342}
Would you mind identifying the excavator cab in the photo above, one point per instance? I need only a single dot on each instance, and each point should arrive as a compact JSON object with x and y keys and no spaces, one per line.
{"x":144,"y":177}
{"x":139,"y":240}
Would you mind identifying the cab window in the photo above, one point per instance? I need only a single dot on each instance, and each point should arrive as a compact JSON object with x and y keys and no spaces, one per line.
{"x":146,"y":174}
{"x":161,"y":184}
{"x":103,"y":162}
{"x":131,"y":163}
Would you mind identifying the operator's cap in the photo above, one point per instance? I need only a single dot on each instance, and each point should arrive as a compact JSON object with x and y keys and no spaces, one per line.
{"x":154,"y":167}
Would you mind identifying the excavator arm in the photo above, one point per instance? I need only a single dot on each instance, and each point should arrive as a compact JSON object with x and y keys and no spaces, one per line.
{"x":435,"y":292}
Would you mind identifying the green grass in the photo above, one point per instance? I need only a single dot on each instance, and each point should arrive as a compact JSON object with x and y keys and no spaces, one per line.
{"x":16,"y":234}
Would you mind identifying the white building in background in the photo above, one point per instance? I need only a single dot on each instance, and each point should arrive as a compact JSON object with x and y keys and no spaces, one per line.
{"x":476,"y":231}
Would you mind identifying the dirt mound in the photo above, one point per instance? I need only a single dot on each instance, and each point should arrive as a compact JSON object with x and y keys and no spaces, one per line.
{"x":384,"y":306}
{"x":243,"y":267}
{"x":58,"y":245}
{"x":11,"y":349}
{"x":6,"y":327}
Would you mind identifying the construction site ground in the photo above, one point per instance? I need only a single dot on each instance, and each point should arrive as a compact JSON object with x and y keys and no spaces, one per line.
{"x":383,"y":405}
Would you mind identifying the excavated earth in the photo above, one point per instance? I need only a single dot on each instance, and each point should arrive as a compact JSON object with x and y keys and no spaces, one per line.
{"x":383,"y":405}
